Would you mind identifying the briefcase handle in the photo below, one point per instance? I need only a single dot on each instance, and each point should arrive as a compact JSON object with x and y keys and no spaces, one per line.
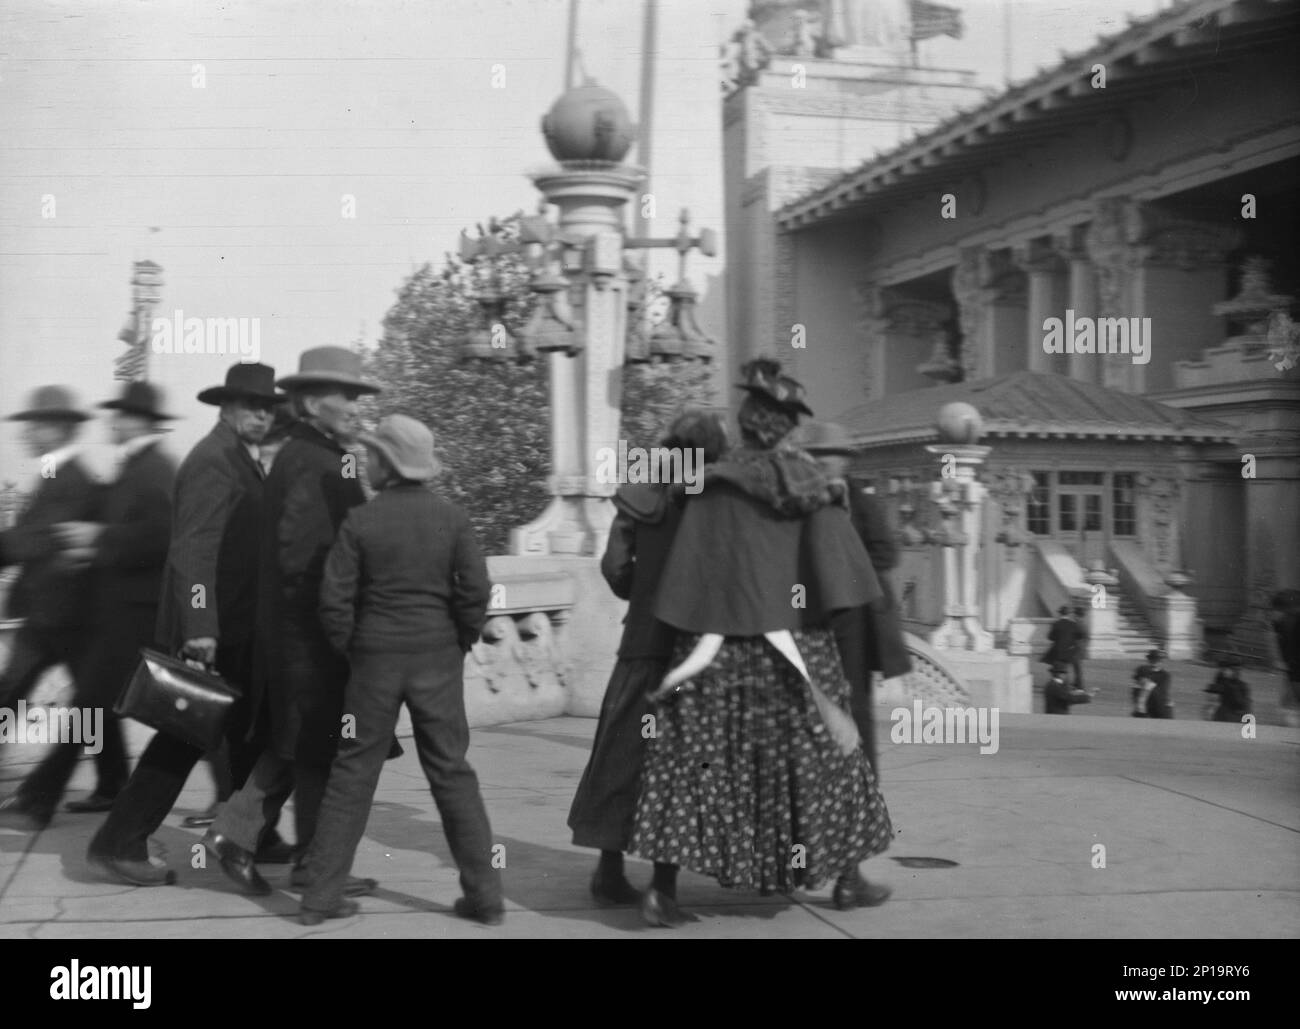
{"x":192,"y":662}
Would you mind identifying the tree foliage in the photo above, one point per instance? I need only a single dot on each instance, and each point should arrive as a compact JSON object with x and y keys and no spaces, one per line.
{"x":491,"y":419}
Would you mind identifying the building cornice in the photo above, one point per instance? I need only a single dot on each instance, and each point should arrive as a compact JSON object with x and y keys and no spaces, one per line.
{"x":1141,"y":60}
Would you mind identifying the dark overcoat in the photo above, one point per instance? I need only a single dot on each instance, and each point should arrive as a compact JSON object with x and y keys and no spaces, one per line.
{"x":309,"y":491}
{"x":639,"y":541}
{"x":132,"y":550}
{"x":48,"y":593}
{"x":215,"y":544}
{"x":886,"y":651}
{"x":405,"y":575}
{"x":1066,"y":636}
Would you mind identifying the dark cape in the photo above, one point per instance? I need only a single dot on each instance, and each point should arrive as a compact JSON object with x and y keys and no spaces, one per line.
{"x":761,"y":549}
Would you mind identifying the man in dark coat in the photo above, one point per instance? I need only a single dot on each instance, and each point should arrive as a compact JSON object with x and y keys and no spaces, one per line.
{"x":1067,"y":638}
{"x":49,"y":594}
{"x":299,"y":678}
{"x":870,"y":639}
{"x":125,"y":550}
{"x":207,"y":606}
{"x":404,"y":596}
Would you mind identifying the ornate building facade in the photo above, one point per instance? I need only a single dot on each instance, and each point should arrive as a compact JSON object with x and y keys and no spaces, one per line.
{"x":1102,"y":262}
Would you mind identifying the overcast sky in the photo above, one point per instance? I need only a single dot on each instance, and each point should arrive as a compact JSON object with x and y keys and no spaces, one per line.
{"x":304,"y":101}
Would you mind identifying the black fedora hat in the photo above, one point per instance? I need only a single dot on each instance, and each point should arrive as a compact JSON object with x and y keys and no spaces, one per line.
{"x":247,"y":381}
{"x":50,"y":404}
{"x":763,"y":378}
{"x":139,"y":398}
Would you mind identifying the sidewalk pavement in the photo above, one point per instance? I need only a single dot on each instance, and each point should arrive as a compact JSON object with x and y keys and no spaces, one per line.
{"x":1200,"y":830}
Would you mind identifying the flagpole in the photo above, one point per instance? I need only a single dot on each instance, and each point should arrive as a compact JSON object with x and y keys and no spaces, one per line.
{"x":571,"y":45}
{"x":1006,"y":44}
{"x":645,"y":141}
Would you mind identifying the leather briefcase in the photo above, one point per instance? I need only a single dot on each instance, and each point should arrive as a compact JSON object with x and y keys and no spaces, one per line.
{"x":178,"y":699}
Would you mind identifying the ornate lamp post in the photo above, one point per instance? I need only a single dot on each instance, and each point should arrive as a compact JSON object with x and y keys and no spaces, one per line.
{"x":586,"y":294}
{"x":960,"y":497}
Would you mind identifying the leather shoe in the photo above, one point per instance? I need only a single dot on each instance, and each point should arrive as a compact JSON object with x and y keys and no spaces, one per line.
{"x":345,"y":909}
{"x":237,"y":863}
{"x":611,"y":893}
{"x":93,"y":804}
{"x":14,"y":814}
{"x":485,"y":914}
{"x":201,"y":821}
{"x":661,"y":911}
{"x":135,"y":873}
{"x":858,"y":893}
{"x":354,"y":887}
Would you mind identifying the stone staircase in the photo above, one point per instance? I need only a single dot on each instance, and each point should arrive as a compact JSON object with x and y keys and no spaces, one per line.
{"x":1136,"y":636}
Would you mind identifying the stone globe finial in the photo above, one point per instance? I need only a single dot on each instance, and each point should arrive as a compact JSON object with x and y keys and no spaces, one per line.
{"x":588,"y":123}
{"x":959,"y":423}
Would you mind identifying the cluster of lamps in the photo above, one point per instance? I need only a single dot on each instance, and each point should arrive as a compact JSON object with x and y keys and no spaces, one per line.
{"x":554,"y":260}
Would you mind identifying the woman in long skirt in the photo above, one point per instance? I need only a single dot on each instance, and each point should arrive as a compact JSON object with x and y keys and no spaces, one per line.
{"x":647,"y":519}
{"x":755,"y":774}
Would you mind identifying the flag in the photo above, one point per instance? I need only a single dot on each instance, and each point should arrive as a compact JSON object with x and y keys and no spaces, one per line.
{"x":930,"y":20}
{"x":130,"y":331}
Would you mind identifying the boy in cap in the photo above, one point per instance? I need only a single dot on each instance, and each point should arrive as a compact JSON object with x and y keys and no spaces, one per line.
{"x":404,"y":596}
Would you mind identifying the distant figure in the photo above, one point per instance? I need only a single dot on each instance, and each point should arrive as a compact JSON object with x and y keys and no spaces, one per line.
{"x":1152,"y":697}
{"x":1059,"y":696}
{"x":1080,"y":646}
{"x":1067,"y":637}
{"x":1286,"y":626}
{"x":1233,"y":694}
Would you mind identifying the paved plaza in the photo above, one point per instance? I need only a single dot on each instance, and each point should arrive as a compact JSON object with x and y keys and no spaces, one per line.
{"x":1199,"y":829}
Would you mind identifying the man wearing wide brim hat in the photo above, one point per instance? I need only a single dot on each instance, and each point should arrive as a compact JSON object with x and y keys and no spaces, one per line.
{"x":298,"y":679}
{"x":870,"y":639}
{"x":216,"y":546}
{"x":49,"y":595}
{"x":406,"y":623}
{"x":126,"y":548}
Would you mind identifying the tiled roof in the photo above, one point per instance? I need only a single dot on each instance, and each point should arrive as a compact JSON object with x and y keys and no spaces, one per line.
{"x":1186,"y":39}
{"x":1031,"y":405}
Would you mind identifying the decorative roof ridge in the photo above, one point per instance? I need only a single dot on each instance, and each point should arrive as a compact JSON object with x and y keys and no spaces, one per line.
{"x":1140,"y":33}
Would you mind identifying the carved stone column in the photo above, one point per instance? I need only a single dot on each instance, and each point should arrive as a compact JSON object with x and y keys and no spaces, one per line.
{"x":1082,"y":295}
{"x":1180,"y":265}
{"x":990,"y":295}
{"x":1048,"y":298}
{"x":1112,"y":259}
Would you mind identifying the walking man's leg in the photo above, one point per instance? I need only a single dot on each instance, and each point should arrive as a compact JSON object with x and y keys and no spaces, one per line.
{"x":373,"y":696}
{"x":436,"y":698}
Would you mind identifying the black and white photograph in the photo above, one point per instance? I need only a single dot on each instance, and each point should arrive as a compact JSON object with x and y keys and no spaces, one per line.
{"x":651,"y":469}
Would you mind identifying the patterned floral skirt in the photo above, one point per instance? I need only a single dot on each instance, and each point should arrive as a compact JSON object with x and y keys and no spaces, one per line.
{"x":742,"y":780}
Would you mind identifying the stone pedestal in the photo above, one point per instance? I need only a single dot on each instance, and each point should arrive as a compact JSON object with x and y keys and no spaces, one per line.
{"x":586,"y":389}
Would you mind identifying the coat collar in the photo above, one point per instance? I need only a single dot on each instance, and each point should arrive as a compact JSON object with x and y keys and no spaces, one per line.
{"x":230,"y":438}
{"x":308,"y":433}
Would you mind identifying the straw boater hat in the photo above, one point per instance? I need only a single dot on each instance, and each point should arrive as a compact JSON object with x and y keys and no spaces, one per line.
{"x":50,"y":404}
{"x":763,"y":378}
{"x":140,"y":398}
{"x":407,"y":444}
{"x":328,"y":366}
{"x":246,"y":382}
